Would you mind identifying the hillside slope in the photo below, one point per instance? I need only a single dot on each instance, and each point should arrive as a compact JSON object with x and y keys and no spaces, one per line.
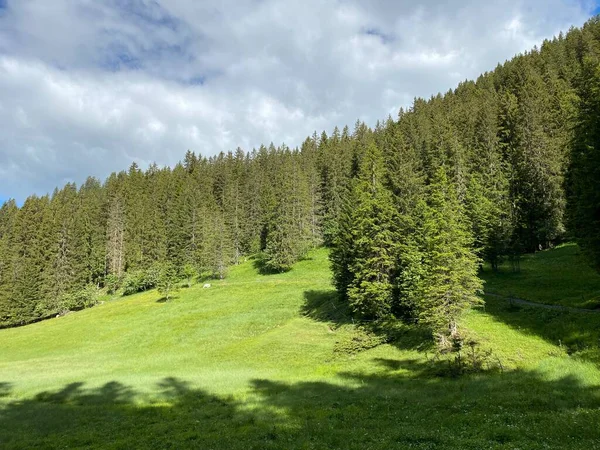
{"x":271,"y":361}
{"x":560,"y":276}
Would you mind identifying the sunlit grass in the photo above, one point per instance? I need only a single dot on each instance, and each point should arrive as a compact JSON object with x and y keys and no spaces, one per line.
{"x":559,"y":276}
{"x":254,"y":362}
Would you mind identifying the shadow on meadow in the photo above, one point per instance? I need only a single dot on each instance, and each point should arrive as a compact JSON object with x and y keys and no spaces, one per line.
{"x":326,"y":306}
{"x":397,"y":408}
{"x":576,"y":332}
{"x":259,"y":263}
{"x":560,"y":276}
{"x":172,"y":298}
{"x":402,"y":405}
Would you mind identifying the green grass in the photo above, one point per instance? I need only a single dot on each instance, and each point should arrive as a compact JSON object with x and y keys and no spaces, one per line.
{"x":273,"y":362}
{"x":559,"y":276}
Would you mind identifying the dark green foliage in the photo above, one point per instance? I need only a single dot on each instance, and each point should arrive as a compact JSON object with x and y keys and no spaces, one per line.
{"x":584,"y":174}
{"x":84,"y":298}
{"x":142,"y":280}
{"x":358,"y":340}
{"x":112,"y":283}
{"x":447,"y":282}
{"x":335,"y":169}
{"x":29,"y":250}
{"x":504,"y":142}
{"x":491,"y":228}
{"x":189,"y":273}
{"x":288,"y":230}
{"x":133,"y":282}
{"x":364,"y":257}
{"x":166,"y":284}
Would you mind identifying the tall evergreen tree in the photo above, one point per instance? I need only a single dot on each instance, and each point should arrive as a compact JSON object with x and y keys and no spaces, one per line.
{"x":584,"y":173}
{"x":9,"y":213}
{"x":447,"y":282}
{"x":289,"y":235}
{"x":371,"y":241}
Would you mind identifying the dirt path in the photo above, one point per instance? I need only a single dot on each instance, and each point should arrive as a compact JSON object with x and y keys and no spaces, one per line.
{"x":520,"y":301}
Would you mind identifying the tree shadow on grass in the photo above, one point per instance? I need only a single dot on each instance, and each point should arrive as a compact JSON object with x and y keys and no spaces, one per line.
{"x":403,"y":408}
{"x":578,"y":333}
{"x":398,"y":407}
{"x":260,"y":265}
{"x":5,"y":389}
{"x":164,"y":299}
{"x":326,"y":306}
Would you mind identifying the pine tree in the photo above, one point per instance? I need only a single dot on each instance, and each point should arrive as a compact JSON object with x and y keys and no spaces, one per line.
{"x":8,"y":234}
{"x":336,"y":161}
{"x":167,"y":281}
{"x":28,"y":301}
{"x":371,"y":241}
{"x":90,"y":230}
{"x":59,"y":228}
{"x":215,"y":250}
{"x":448,"y":283}
{"x":487,"y":199}
{"x":115,"y":238}
{"x":289,"y":235}
{"x":584,"y":171}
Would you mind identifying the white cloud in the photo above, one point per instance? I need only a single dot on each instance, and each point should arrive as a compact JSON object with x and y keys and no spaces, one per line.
{"x":88,"y":87}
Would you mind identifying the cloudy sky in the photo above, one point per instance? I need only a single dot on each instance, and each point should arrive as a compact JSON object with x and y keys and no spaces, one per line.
{"x":88,"y":86}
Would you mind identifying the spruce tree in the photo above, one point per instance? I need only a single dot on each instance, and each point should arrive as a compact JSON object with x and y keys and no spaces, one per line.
{"x":8,"y":254}
{"x":584,"y":171}
{"x":90,"y":231}
{"x":371,"y":241}
{"x":447,"y":284}
{"x":28,"y":300}
{"x":167,"y":281}
{"x":289,"y":235}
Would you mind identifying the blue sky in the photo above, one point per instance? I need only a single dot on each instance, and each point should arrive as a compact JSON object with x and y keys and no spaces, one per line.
{"x":86,"y":88}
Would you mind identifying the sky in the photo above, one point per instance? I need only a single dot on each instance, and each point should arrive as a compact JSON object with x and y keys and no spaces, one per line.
{"x":89,"y":86}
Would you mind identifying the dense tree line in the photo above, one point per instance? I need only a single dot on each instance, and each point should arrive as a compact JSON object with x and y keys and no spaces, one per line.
{"x":199,"y":217}
{"x":411,"y":208}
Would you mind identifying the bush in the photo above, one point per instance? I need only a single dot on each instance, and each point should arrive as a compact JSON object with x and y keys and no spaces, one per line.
{"x":152,"y":276}
{"x":142,"y":280}
{"x":112,"y":283}
{"x":133,"y":282}
{"x":167,"y":283}
{"x":358,"y":340}
{"x":189,"y":273}
{"x":465,"y":356}
{"x":74,"y":301}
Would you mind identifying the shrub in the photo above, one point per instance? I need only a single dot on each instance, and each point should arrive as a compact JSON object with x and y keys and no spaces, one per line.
{"x":112,"y":283}
{"x":189,"y":273}
{"x":358,"y":340}
{"x":167,"y":283}
{"x":74,"y":301}
{"x":142,"y":280}
{"x":151,"y":276}
{"x":133,"y":282}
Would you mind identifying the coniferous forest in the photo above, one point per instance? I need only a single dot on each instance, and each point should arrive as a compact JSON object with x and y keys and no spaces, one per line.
{"x":411,"y":209}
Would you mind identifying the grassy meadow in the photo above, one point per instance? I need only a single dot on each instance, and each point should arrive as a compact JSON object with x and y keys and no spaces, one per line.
{"x":275,"y":362}
{"x":555,"y":277}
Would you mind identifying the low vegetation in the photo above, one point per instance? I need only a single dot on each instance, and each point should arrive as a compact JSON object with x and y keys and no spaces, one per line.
{"x":275,"y":361}
{"x":560,"y":276}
